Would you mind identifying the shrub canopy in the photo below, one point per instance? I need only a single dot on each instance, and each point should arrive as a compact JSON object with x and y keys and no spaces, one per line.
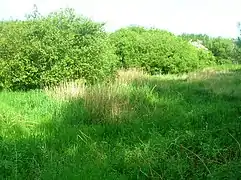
{"x":47,"y":50}
{"x":157,"y":51}
{"x":223,"y":49}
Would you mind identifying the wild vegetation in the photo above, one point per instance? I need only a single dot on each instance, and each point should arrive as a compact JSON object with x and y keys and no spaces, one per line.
{"x":225,"y":50}
{"x":47,"y":50}
{"x":157,"y":51}
{"x":80,"y":103}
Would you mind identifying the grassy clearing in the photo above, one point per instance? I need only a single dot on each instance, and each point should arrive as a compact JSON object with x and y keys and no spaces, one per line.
{"x":140,"y":127}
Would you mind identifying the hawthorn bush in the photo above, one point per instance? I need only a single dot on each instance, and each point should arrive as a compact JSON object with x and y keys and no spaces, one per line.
{"x":222,"y":48}
{"x":157,"y":51}
{"x":47,"y":50}
{"x":206,"y":58}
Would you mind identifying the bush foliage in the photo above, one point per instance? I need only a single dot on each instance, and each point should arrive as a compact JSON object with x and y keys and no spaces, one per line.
{"x":223,"y":49}
{"x":157,"y":51}
{"x":47,"y":50}
{"x":62,"y":46}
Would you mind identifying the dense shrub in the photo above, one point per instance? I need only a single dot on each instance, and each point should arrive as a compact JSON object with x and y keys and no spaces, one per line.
{"x":222,"y":48}
{"x":156,"y":51}
{"x":47,"y":50}
{"x":206,"y":58}
{"x":237,"y":55}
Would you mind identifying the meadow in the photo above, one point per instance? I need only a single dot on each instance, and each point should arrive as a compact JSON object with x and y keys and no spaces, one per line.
{"x":77,"y":102}
{"x":140,"y":127}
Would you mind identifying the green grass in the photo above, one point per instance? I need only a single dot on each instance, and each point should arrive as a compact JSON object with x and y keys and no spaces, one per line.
{"x":166,"y":127}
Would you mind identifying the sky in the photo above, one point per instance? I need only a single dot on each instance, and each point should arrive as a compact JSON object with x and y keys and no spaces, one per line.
{"x":212,"y":17}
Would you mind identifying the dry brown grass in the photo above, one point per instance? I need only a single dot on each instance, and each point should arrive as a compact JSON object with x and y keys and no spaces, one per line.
{"x":206,"y":74}
{"x":128,"y":76}
{"x":109,"y":101}
{"x":74,"y":89}
{"x":112,"y":100}
{"x":200,"y":75}
{"x":66,"y":91}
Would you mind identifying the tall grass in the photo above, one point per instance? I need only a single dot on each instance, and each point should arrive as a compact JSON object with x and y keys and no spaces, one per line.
{"x":138,"y":127}
{"x":104,"y":102}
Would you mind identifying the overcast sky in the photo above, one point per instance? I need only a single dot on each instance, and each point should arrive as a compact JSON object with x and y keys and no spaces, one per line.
{"x":213,"y":17}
